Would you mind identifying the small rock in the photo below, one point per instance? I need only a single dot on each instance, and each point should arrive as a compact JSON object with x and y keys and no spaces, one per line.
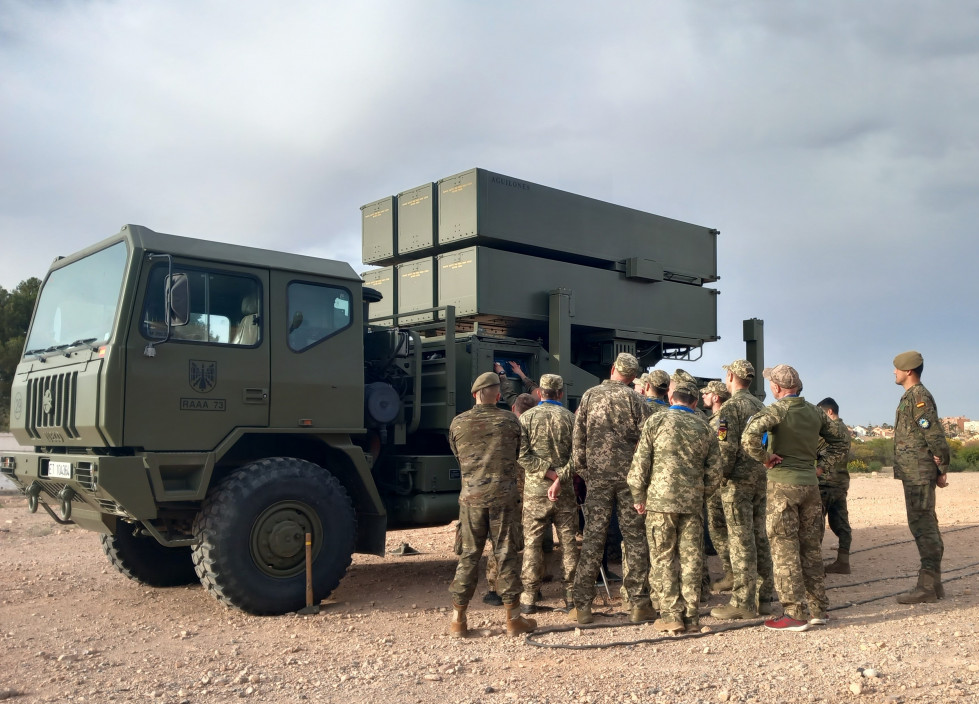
{"x":856,"y":688}
{"x":488,"y":690}
{"x":706,"y":650}
{"x":723,"y":695}
{"x":432,"y":677}
{"x":870,"y":672}
{"x":705,"y":629}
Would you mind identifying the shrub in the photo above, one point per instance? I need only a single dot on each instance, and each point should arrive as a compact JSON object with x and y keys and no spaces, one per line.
{"x":856,"y":466}
{"x":875,"y":466}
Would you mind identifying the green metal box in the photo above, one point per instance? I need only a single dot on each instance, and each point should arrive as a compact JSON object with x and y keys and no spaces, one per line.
{"x":509,"y":293}
{"x":382,"y":281}
{"x":479,"y":207}
{"x":416,"y":290}
{"x":378,"y":226}
{"x":417,"y":218}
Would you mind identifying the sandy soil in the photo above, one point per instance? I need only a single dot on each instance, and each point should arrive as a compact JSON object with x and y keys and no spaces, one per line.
{"x":72,"y":629}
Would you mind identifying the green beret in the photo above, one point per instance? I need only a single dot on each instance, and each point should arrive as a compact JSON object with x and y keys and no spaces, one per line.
{"x":908,"y":360}
{"x":485,"y":380}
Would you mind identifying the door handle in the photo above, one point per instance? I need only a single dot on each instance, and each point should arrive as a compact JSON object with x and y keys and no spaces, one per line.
{"x":255,"y":396}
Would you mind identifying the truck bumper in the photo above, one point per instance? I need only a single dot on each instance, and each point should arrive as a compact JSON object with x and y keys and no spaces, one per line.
{"x":96,"y":487}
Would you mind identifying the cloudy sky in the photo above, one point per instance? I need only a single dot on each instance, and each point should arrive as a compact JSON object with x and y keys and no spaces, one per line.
{"x":833,"y":144}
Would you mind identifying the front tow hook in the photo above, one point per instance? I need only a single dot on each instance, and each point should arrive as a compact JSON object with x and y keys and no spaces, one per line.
{"x":66,"y":496}
{"x":33,"y":491}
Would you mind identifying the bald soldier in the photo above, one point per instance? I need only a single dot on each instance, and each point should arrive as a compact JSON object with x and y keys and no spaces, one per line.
{"x":713,"y":397}
{"x":921,"y":458}
{"x":795,"y":512}
{"x":675,"y":465}
{"x":545,"y":455}
{"x":486,"y":442}
{"x":606,"y":430}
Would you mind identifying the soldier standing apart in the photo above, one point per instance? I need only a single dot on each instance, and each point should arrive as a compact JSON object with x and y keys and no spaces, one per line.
{"x":794,"y":510}
{"x":677,"y":462}
{"x":545,"y":454}
{"x":743,"y":497}
{"x":713,"y":396}
{"x":606,"y":430}
{"x":834,"y":483}
{"x":921,"y":459}
{"x":486,"y":442}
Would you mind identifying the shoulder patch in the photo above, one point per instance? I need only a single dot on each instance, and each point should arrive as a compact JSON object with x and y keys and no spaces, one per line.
{"x":722,"y":430}
{"x":920,"y":404}
{"x":923,"y":422}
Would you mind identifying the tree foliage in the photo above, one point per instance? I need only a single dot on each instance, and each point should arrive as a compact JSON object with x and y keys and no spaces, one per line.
{"x":16,"y":308}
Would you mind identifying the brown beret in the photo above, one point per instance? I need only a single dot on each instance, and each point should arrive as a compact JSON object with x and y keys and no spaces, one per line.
{"x":485,"y":380}
{"x":908,"y":360}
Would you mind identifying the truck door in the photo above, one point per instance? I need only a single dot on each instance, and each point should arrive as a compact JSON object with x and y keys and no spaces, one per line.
{"x":188,"y":391}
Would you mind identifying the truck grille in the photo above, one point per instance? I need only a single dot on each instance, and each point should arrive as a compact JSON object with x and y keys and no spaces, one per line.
{"x":51,"y":404}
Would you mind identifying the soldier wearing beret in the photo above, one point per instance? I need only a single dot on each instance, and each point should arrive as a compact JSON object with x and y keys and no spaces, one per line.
{"x":676,"y":464}
{"x":486,"y":442}
{"x":795,"y":512}
{"x":606,"y":430}
{"x":921,"y":458}
{"x":548,"y":495}
{"x":743,"y":489}
{"x":713,"y":397}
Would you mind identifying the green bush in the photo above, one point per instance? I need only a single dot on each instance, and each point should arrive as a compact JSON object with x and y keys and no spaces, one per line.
{"x":875,"y":466}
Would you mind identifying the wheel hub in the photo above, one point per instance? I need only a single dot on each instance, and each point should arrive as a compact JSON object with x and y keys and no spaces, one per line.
{"x":278,"y":538}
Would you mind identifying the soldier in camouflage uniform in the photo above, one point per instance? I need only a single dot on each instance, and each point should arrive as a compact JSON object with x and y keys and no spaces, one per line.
{"x":794,"y":510}
{"x":545,"y":454}
{"x":834,"y":483}
{"x":676,"y":463}
{"x":743,"y":488}
{"x":606,"y":431}
{"x":921,"y":458}
{"x":486,"y":443}
{"x":713,"y":397}
{"x":510,"y":389}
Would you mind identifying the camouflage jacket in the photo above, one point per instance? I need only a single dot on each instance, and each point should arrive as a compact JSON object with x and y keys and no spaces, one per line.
{"x":606,"y":430}
{"x":655,"y":405}
{"x":794,"y":427}
{"x":676,"y":464}
{"x":545,"y":443}
{"x":511,"y":388}
{"x":732,"y":419}
{"x":835,"y":475}
{"x":486,"y":442}
{"x":918,"y":437}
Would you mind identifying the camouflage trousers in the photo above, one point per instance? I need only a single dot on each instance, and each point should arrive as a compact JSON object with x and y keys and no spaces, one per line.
{"x":600,"y":501}
{"x":717,"y":527}
{"x":538,"y":514}
{"x":492,"y":568}
{"x":919,"y":499}
{"x":499,"y":525}
{"x":794,"y":515}
{"x":751,"y":556}
{"x":833,"y":499}
{"x":676,"y":557}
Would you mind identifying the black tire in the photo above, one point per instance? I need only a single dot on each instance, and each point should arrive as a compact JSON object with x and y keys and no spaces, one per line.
{"x":144,"y":560}
{"x":251,"y":535}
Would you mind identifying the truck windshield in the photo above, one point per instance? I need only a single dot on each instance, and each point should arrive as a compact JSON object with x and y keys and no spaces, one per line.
{"x":78,"y":303}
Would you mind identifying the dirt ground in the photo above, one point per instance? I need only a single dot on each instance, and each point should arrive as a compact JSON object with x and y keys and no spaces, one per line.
{"x":72,"y":629}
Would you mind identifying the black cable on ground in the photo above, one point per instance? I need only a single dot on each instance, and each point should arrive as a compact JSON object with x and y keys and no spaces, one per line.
{"x":902,"y":542}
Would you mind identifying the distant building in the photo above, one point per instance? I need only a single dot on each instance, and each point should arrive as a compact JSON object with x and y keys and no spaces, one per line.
{"x":954,"y":425}
{"x":971,"y":426}
{"x":879,"y":432}
{"x":859,"y":431}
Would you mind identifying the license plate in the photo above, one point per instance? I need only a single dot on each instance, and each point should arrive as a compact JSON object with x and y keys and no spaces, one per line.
{"x":61,"y":470}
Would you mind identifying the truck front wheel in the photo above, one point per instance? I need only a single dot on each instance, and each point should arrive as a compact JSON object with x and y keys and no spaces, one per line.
{"x":142,"y":559}
{"x":252,"y":530}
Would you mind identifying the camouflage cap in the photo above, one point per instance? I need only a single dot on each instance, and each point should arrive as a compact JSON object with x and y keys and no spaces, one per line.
{"x":741,"y":368}
{"x":686,"y":387}
{"x":551,"y":382}
{"x":659,"y":378}
{"x":783,"y":375}
{"x":682,"y":377}
{"x":627,"y":364}
{"x":908,"y":360}
{"x":717,"y":388}
{"x":485,"y":380}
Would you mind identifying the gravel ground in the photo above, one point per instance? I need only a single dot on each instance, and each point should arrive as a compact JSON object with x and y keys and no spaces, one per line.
{"x":74,"y":630}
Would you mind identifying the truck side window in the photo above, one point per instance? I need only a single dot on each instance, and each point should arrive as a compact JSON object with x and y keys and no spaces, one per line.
{"x":315,"y":313}
{"x":225,"y":309}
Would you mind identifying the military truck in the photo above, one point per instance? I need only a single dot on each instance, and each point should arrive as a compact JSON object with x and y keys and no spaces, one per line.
{"x":203,"y":406}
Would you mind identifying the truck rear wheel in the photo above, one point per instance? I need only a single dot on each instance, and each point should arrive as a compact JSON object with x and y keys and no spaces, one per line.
{"x":252,"y":534}
{"x":143,"y":559}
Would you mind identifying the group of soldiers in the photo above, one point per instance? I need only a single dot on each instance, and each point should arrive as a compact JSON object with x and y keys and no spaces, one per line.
{"x":766,"y":478}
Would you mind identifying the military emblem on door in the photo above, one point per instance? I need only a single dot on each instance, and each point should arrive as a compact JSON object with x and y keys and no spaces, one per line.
{"x":203,"y":375}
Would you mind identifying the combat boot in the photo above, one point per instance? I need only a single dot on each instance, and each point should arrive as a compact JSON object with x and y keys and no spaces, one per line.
{"x":517,"y":624}
{"x":939,"y":589}
{"x":582,"y":614}
{"x":458,"y":628}
{"x":842,"y":564}
{"x":923,"y":592}
{"x":643,"y":611}
{"x":724,"y":584}
{"x":729,"y":612}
